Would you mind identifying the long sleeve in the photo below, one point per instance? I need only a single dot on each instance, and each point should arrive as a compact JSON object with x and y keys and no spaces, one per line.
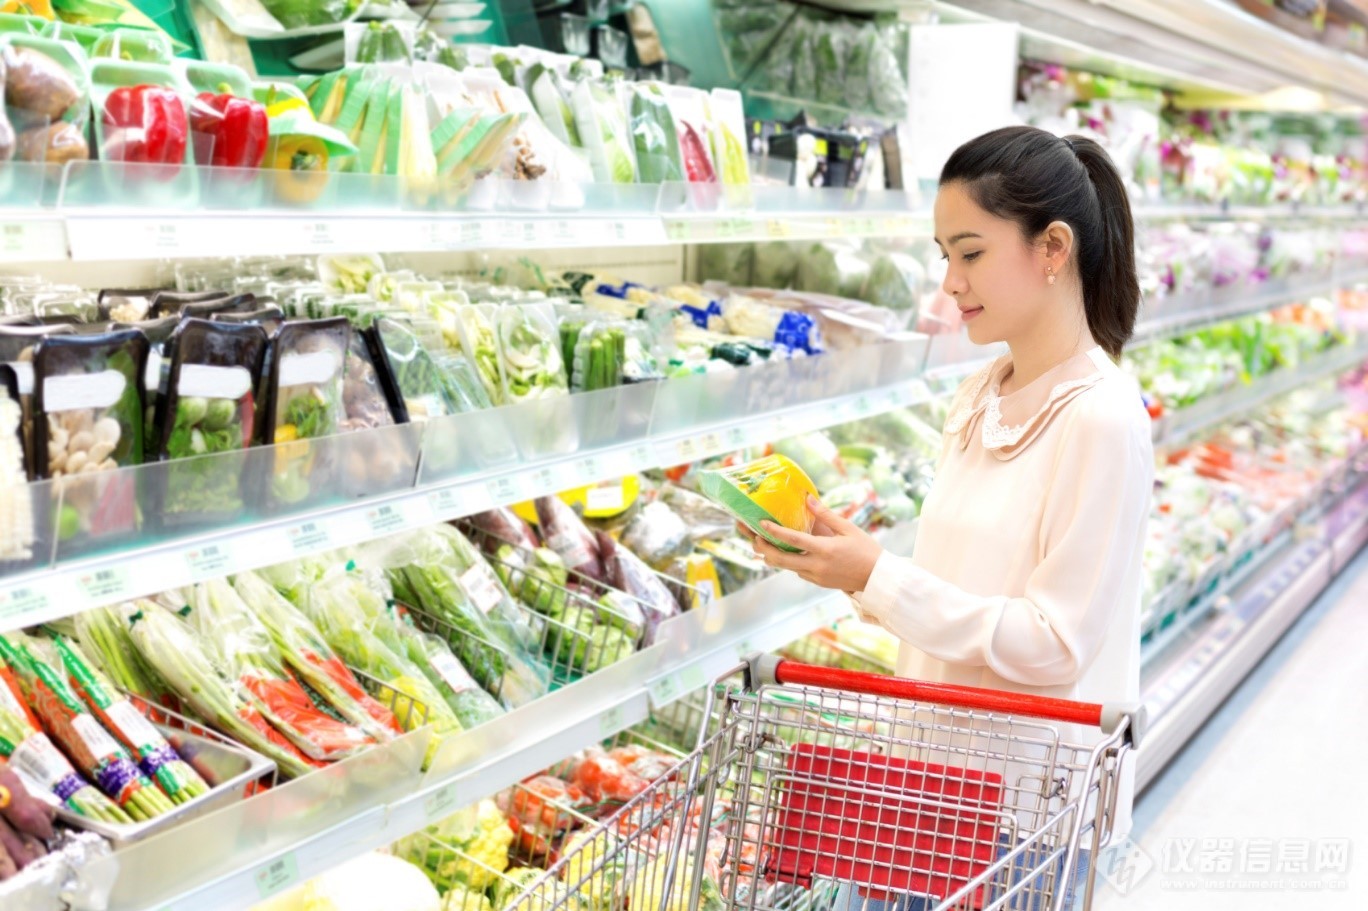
{"x":1096,"y":502}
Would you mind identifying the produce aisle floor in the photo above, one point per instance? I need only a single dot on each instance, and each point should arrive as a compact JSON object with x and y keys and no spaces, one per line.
{"x":1273,"y":785}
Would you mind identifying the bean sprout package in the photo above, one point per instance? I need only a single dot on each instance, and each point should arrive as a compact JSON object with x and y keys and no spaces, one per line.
{"x":88,"y":407}
{"x":772,"y":489}
{"x":209,"y":407}
{"x":305,"y":403}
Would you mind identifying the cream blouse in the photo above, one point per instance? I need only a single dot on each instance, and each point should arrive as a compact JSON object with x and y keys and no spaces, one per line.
{"x":1026,"y":574}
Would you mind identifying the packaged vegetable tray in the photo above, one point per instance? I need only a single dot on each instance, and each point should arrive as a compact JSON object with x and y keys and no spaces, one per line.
{"x":89,"y":421}
{"x":209,"y":407}
{"x":46,"y":99}
{"x":772,"y":489}
{"x":304,"y":404}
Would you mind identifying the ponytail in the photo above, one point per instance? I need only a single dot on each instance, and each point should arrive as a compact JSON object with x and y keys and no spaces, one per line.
{"x":1034,"y":178}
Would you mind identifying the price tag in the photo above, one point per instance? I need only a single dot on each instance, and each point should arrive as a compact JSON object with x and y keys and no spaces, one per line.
{"x":308,"y":538}
{"x":736,"y":438}
{"x":544,"y":479}
{"x":210,"y":561}
{"x":776,"y":228}
{"x":687,"y":449}
{"x":693,"y":678}
{"x":482,"y":586}
{"x":863,"y":406}
{"x":611,"y":722}
{"x":607,"y":498}
{"x":106,"y":585}
{"x":588,"y":470}
{"x":712,"y":444}
{"x":472,"y":234}
{"x":677,"y":230}
{"x":441,"y":803}
{"x":506,"y":489}
{"x":275,"y":876}
{"x":319,"y":235}
{"x":446,"y":503}
{"x":21,"y":602}
{"x":744,"y":649}
{"x":642,"y":457}
{"x":665,"y":690}
{"x":386,"y":519}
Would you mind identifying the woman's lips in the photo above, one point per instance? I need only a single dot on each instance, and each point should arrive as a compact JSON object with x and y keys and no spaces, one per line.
{"x":967,"y":315}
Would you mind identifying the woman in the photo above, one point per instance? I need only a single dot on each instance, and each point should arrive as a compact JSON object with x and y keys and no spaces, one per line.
{"x":1026,"y":573}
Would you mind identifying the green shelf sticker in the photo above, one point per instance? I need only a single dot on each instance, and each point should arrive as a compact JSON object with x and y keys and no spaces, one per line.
{"x":209,"y":561}
{"x":611,"y":722}
{"x":308,"y":537}
{"x":441,"y":803}
{"x":386,"y":519}
{"x":21,"y":602}
{"x":106,"y":585}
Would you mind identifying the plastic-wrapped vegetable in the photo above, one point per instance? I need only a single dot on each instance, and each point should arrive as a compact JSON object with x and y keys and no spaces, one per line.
{"x":420,"y":567}
{"x":896,"y":281}
{"x":610,"y":353}
{"x":550,"y":97}
{"x":82,"y":737}
{"x":565,"y":533}
{"x":480,"y":343}
{"x":628,"y":573}
{"x":833,"y":268}
{"x":420,"y":383}
{"x":209,"y":407}
{"x":471,"y":705}
{"x":33,"y":755}
{"x":603,"y":129}
{"x":657,"y":534}
{"x":506,"y":525}
{"x":776,"y":264}
{"x":771,"y":489}
{"x":245,"y":650}
{"x":352,"y":614}
{"x":816,"y":455}
{"x":653,"y":133}
{"x":88,"y":407}
{"x":156,"y":758}
{"x":530,"y":350}
{"x":304,"y":403}
{"x":308,"y":655}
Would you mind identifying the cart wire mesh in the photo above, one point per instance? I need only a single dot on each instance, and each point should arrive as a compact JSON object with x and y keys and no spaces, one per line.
{"x":811,"y":797}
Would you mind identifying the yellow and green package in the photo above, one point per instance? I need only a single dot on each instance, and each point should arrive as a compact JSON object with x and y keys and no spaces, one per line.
{"x":772,"y":489}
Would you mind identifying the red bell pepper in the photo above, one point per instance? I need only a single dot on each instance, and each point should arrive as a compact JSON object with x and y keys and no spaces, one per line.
{"x":237,"y":126}
{"x":145,"y":124}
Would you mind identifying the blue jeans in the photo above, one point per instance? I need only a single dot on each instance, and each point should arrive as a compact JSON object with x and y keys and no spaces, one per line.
{"x":848,"y":898}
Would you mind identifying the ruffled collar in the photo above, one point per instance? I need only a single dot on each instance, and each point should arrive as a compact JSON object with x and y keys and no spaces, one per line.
{"x":980,"y":402}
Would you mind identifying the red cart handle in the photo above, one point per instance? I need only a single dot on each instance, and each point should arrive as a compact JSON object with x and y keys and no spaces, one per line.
{"x":770,"y":669}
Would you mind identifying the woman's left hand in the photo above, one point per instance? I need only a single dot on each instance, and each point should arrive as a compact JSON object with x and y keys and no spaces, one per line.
{"x":841,"y":556}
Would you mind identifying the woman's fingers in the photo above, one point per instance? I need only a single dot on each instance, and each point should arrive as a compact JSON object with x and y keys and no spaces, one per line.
{"x":838,"y":524}
{"x":806,"y":543}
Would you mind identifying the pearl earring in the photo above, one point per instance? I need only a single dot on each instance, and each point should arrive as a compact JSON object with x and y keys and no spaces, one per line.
{"x":1049,"y":275}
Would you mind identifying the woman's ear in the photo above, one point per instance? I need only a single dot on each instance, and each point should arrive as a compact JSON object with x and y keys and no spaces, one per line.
{"x":1057,"y":241}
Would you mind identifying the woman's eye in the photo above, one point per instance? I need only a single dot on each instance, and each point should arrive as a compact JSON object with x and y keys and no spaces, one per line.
{"x":945,"y":257}
{"x":970,"y":257}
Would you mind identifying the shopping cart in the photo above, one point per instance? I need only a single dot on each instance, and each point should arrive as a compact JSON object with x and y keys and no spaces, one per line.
{"x":826,"y":789}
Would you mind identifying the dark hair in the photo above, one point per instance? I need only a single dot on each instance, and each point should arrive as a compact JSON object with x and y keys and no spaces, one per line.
{"x":1034,"y":178}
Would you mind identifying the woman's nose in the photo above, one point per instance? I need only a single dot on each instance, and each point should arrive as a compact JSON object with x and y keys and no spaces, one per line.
{"x":954,"y":283}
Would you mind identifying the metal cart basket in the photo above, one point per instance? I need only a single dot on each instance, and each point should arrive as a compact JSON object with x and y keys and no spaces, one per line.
{"x":830,"y":789}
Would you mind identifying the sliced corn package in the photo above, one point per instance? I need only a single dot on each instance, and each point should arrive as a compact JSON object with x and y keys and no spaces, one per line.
{"x":772,"y":489}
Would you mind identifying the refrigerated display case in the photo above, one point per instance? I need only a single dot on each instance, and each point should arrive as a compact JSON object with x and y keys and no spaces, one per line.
{"x":1247,"y":308}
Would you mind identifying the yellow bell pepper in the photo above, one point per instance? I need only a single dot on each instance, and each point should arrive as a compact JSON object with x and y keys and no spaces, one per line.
{"x":302,"y":163}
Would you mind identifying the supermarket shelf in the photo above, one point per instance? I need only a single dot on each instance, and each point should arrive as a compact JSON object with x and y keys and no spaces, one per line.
{"x":1199,"y":671}
{"x":1183,"y":45}
{"x":1178,"y":314}
{"x":1180,"y":426}
{"x":102,"y":211}
{"x":454,"y":466}
{"x":697,"y":648}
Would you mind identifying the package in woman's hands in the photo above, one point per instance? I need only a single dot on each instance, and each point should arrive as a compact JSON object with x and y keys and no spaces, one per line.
{"x":772,"y":489}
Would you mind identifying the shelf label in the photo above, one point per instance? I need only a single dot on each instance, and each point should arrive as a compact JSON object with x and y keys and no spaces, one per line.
{"x":277,"y":875}
{"x":671,"y":687}
{"x":642,"y":457}
{"x":21,"y":602}
{"x":777,"y":228}
{"x":441,"y":803}
{"x":588,"y":470}
{"x":545,"y":480}
{"x":736,"y":438}
{"x":687,"y":450}
{"x":307,"y":538}
{"x":106,"y":585}
{"x":610,"y":497}
{"x":386,"y":519}
{"x":506,"y":489}
{"x":712,"y":444}
{"x":319,"y":235}
{"x":446,"y":503}
{"x":611,"y":722}
{"x":210,"y":561}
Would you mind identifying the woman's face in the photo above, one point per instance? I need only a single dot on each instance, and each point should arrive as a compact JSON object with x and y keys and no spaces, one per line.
{"x":995,"y":278}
